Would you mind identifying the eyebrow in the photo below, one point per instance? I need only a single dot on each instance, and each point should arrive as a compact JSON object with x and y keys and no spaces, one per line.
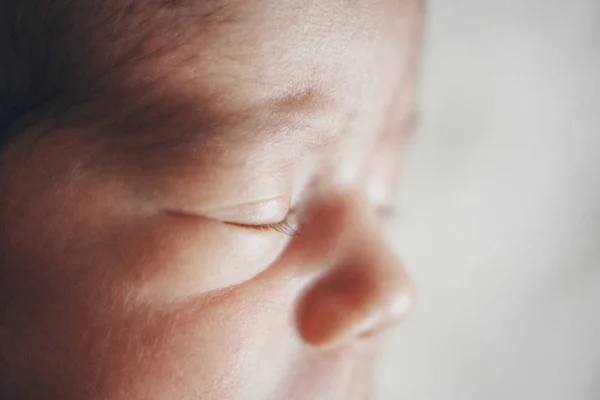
{"x":174,"y":121}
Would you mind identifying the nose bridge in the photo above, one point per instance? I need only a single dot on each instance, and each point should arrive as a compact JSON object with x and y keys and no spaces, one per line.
{"x":365,"y":291}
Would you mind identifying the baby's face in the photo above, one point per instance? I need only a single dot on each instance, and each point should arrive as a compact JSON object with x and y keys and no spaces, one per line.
{"x":224,"y":240}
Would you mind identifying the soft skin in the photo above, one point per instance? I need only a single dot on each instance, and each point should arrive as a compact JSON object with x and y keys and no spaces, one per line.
{"x":141,"y":251}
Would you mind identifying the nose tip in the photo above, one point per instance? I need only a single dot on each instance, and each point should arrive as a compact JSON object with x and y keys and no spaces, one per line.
{"x":354,"y":301}
{"x":389,"y":315}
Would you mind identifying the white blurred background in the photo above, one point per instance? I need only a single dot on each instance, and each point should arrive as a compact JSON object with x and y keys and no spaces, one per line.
{"x":501,"y":207}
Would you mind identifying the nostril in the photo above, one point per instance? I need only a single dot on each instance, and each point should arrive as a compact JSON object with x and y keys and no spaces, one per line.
{"x":322,"y":317}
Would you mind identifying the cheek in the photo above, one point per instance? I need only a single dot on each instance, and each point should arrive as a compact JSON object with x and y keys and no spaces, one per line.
{"x":209,"y":349}
{"x":81,"y":294}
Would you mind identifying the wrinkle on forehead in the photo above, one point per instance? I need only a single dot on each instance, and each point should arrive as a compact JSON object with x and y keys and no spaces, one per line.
{"x":308,"y":117}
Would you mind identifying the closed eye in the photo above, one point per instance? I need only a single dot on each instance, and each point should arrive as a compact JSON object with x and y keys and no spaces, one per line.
{"x":387,"y":212}
{"x":286,"y":227}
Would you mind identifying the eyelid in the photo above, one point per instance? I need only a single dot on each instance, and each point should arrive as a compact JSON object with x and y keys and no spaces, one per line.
{"x":285,"y":226}
{"x":257,"y":213}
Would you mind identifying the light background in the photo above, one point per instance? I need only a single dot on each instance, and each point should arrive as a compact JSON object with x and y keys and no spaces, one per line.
{"x":501,"y":207}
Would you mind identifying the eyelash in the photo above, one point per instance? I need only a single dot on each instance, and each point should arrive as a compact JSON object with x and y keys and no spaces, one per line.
{"x":288,"y":228}
{"x":285,"y":227}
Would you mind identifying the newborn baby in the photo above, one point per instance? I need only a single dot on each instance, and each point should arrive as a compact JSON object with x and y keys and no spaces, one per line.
{"x":194,"y":195}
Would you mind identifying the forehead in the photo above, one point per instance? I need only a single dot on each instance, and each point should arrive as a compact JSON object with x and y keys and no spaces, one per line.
{"x":287,"y":63}
{"x":278,"y":45}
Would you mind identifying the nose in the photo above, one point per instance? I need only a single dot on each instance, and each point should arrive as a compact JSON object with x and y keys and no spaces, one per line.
{"x":365,"y":290}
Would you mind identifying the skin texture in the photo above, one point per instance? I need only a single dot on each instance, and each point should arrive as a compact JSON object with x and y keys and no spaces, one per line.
{"x":140,"y":259}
